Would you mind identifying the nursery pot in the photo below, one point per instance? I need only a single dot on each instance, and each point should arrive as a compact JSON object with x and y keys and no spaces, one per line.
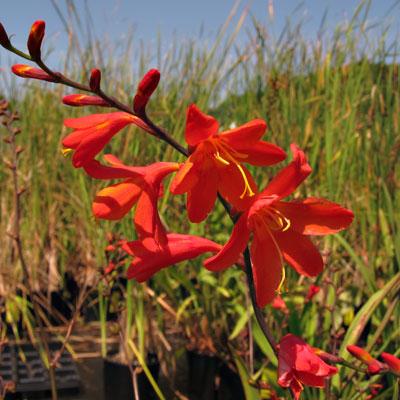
{"x":202,"y":370}
{"x":210,"y":378}
{"x":118,"y":379}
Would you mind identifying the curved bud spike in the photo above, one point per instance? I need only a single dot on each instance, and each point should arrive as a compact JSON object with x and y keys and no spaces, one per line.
{"x":4,"y":39}
{"x":95,"y":78}
{"x":26,"y":71}
{"x":35,"y":39}
{"x":145,"y":89}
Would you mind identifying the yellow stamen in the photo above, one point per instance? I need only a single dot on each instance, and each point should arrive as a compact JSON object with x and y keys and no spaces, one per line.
{"x":278,"y":222}
{"x":65,"y":151}
{"x":219,"y":158}
{"x":247,"y":188}
{"x":278,"y":290}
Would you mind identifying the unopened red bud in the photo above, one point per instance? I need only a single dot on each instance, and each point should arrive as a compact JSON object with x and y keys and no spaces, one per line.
{"x":392,"y":361}
{"x":145,"y":89}
{"x":360,"y":354}
{"x":79,"y":100}
{"x":4,"y":40}
{"x":25,"y":71}
{"x":35,"y":39}
{"x":95,"y":78}
{"x":374,"y":366}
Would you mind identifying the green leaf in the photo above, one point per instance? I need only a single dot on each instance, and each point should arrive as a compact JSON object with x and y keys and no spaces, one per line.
{"x":250,"y":392}
{"x":263,"y":344}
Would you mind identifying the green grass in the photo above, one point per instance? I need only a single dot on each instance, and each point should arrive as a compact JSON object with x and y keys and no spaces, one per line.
{"x":338,"y":100}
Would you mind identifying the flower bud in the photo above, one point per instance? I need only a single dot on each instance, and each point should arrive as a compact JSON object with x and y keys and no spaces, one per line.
{"x":25,"y":71}
{"x":392,"y":361}
{"x":145,"y":89}
{"x":79,"y":100}
{"x":95,"y":78}
{"x":35,"y":39}
{"x":4,"y":39}
{"x":374,"y":366}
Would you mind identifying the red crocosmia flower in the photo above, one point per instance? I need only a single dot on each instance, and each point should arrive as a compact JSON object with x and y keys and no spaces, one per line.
{"x":79,"y":100}
{"x":392,"y":361}
{"x":298,"y":365}
{"x":281,"y":229}
{"x":312,"y":291}
{"x":374,"y":366}
{"x":215,"y":163}
{"x":26,"y":71}
{"x":93,"y":132}
{"x":141,"y":186}
{"x":151,"y":258}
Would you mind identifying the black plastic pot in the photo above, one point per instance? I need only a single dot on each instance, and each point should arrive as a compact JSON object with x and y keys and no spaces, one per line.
{"x":31,"y":378}
{"x":209,"y":378}
{"x":118,"y":379}
{"x":202,"y":370}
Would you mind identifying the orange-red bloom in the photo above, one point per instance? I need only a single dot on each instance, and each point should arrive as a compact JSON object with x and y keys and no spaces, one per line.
{"x":392,"y":361}
{"x":145,"y":89}
{"x":150,"y":257}
{"x":79,"y":100}
{"x":141,"y":186}
{"x":35,"y":39}
{"x":298,"y":365}
{"x":280,"y":230}
{"x":215,"y":163}
{"x":93,"y":132}
{"x":374,"y":366}
{"x":25,"y":71}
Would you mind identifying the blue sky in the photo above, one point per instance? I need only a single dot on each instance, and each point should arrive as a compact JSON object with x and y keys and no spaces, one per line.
{"x":181,"y":18}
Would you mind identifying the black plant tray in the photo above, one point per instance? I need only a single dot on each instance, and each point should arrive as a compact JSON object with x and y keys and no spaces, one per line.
{"x":31,"y":376}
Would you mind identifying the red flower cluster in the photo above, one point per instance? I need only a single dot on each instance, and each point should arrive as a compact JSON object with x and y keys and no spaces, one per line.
{"x":278,"y":229}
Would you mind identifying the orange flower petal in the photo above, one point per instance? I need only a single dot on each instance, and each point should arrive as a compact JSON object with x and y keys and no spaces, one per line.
{"x":201,"y":197}
{"x":314,"y":216}
{"x":287,"y":180}
{"x":246,"y":134}
{"x":150,"y":259}
{"x":262,"y":153}
{"x":113,"y":202}
{"x":232,"y":249}
{"x":267,"y":268}
{"x":185,"y":178}
{"x":199,"y":126}
{"x":299,"y":252}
